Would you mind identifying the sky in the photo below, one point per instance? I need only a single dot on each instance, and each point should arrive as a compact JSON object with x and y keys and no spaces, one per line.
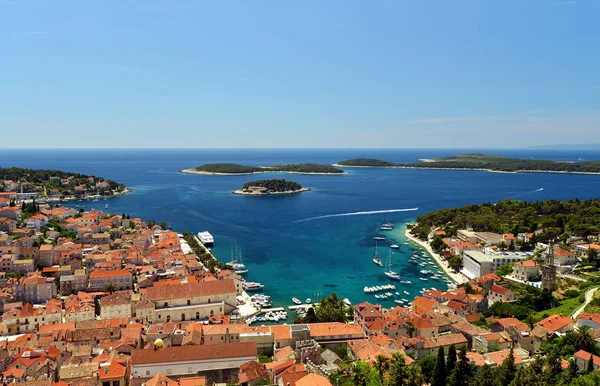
{"x":298,"y":74}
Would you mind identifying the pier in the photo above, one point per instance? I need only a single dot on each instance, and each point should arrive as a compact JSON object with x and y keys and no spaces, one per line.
{"x":302,"y":306}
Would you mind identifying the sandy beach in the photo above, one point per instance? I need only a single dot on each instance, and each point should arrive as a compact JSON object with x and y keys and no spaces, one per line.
{"x":458,"y":278}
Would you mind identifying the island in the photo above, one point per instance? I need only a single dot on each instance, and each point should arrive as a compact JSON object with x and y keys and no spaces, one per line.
{"x":270,"y":188}
{"x":487,"y":162}
{"x":56,"y":185}
{"x":224,"y":169}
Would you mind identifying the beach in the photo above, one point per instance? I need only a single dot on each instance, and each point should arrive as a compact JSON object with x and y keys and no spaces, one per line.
{"x":458,"y":278}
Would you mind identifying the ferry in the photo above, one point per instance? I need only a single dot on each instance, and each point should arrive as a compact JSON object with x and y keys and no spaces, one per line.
{"x":252,"y":286}
{"x":206,"y":238}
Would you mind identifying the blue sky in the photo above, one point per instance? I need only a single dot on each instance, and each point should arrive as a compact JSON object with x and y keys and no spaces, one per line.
{"x":299,"y":73}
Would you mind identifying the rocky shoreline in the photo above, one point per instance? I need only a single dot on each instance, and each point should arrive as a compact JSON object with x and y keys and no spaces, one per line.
{"x":193,"y":171}
{"x":258,"y":193}
{"x":464,"y":169}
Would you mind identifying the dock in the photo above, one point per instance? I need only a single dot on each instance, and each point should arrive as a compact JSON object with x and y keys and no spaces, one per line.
{"x":276,"y":309}
{"x":302,"y":306}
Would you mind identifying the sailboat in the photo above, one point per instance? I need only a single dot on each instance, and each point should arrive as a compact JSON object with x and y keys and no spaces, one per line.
{"x":386,"y":226}
{"x":237,"y":263}
{"x":376,"y":258}
{"x":388,"y":269}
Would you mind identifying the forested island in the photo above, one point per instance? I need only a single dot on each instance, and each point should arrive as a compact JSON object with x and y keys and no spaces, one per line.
{"x":550,"y":220}
{"x":478,"y":161}
{"x":236,"y":169}
{"x":56,"y":184}
{"x":271,"y":187}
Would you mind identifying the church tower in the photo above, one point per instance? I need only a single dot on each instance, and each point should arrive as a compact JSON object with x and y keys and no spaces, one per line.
{"x":549,"y":270}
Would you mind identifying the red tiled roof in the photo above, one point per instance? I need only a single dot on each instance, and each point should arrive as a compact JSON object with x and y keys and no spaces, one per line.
{"x":114,"y":273}
{"x":217,"y":287}
{"x":190,"y":353}
{"x":555,"y":322}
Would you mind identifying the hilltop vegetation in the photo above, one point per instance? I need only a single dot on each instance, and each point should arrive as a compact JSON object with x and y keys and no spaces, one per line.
{"x":227,"y":168}
{"x":66,"y":183}
{"x":273,"y":186}
{"x":367,"y":162}
{"x":559,"y":219}
{"x":485,"y":161}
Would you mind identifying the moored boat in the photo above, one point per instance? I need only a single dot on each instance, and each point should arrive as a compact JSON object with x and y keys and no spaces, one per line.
{"x":297,"y":301}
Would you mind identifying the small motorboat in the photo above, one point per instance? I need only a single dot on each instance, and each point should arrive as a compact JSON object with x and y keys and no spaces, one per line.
{"x":395,"y":246}
{"x":308,"y":300}
{"x":296,"y":301}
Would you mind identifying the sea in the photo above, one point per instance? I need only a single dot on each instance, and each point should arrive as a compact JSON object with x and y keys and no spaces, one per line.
{"x":311,"y":244}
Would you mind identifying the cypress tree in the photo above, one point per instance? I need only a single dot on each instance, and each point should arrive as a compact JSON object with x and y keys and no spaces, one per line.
{"x":590,"y":364}
{"x":451,"y":358}
{"x":507,"y":370}
{"x":439,"y":373}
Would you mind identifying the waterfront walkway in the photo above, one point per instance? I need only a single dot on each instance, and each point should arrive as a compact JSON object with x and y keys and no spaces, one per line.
{"x":458,"y":278}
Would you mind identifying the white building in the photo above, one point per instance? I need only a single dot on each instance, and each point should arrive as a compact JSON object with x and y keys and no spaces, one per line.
{"x":477,"y":264}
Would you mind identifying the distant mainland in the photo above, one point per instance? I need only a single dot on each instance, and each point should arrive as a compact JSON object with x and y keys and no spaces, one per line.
{"x":270,"y":187}
{"x":478,"y":161}
{"x":225,"y":169}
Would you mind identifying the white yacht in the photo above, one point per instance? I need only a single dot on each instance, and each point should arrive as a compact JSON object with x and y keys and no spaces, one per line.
{"x":376,"y":258}
{"x":206,"y":238}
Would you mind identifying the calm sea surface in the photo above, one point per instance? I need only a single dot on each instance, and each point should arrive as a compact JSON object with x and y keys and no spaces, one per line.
{"x":286,"y":242}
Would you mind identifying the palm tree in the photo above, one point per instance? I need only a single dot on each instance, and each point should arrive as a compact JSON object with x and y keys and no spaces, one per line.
{"x":584,"y":339}
{"x":382,"y":364}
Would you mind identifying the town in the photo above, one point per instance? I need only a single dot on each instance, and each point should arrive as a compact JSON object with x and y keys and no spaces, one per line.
{"x":92,"y":298}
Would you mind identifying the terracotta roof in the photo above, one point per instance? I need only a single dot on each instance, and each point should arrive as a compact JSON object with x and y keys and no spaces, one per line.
{"x":592,"y":317}
{"x":313,"y":379}
{"x":111,"y":370}
{"x":192,"y":381}
{"x":217,"y":287}
{"x":584,"y":355}
{"x":161,"y":380}
{"x":252,"y":371}
{"x":507,"y":322}
{"x":114,"y":273}
{"x":335,"y":328}
{"x":500,"y":290}
{"x":526,"y":263}
{"x":562,"y":252}
{"x":498,"y":357}
{"x":555,"y":322}
{"x":444,"y":340}
{"x":193,"y":353}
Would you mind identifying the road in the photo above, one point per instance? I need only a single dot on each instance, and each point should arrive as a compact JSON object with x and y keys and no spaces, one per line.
{"x":589,"y":295}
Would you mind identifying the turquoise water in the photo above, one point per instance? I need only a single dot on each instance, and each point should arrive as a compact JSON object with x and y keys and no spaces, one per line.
{"x":287,"y":243}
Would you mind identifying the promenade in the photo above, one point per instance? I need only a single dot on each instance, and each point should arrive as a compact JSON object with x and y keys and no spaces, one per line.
{"x":458,"y":278}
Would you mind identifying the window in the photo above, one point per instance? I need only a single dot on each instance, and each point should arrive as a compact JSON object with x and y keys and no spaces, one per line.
{"x":147,"y":372}
{"x":188,"y":302}
{"x":189,"y":370}
{"x":169,"y":371}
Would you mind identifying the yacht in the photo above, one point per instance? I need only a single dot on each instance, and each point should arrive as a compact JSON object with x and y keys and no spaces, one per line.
{"x":237,"y":263}
{"x":405,"y":281}
{"x":378,"y":238}
{"x":386,"y":227}
{"x":252,"y":286}
{"x":206,"y":238}
{"x":395,"y":246}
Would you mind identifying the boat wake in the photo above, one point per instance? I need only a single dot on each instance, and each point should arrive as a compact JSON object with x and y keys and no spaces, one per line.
{"x":357,"y":214}
{"x":539,"y":190}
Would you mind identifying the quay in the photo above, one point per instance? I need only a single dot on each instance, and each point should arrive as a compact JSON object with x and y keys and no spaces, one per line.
{"x":275,"y":309}
{"x":302,"y":306}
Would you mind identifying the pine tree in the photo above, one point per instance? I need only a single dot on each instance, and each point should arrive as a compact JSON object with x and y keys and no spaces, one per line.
{"x":484,"y":377}
{"x":439,"y":373}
